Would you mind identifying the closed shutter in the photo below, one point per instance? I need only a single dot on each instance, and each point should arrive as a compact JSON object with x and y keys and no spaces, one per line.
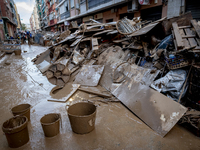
{"x":194,"y":7}
{"x":152,"y":14}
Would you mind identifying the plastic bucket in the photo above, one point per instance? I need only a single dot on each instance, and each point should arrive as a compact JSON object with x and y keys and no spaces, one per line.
{"x":51,"y":124}
{"x":18,"y":52}
{"x":22,"y":110}
{"x":82,"y":117}
{"x":16,"y":131}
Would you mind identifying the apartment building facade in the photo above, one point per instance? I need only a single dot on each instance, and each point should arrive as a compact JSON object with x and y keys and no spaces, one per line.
{"x":18,"y":19}
{"x":59,"y":15}
{"x":32,"y":22}
{"x":9,"y":17}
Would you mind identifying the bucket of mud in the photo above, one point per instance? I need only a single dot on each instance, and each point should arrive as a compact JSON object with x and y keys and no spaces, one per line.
{"x":18,"y":52}
{"x":22,"y":110}
{"x":51,"y":124}
{"x":82,"y":117}
{"x":16,"y":131}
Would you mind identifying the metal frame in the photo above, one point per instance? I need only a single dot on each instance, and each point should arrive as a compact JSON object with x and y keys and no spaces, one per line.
{"x":16,"y":45}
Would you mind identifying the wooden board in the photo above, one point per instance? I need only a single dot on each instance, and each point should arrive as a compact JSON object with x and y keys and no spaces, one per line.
{"x":191,"y":40}
{"x":178,"y":37}
{"x":185,"y":41}
{"x":182,"y":20}
{"x":196,"y":27}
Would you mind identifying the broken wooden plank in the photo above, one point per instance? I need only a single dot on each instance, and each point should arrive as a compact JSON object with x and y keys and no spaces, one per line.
{"x":181,"y":27}
{"x":191,"y":40}
{"x":175,"y":44}
{"x":189,"y":36}
{"x":182,"y":20}
{"x":196,"y":27}
{"x":198,"y":41}
{"x":177,"y":35}
{"x":185,"y":41}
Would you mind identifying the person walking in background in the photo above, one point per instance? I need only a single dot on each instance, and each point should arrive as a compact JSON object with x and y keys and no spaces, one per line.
{"x":28,"y":36}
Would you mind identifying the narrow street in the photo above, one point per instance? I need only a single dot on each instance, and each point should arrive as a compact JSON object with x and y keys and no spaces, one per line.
{"x":116,"y":127}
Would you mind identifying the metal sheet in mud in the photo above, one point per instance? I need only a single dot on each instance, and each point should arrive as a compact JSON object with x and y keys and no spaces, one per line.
{"x":43,"y":66}
{"x":63,"y":94}
{"x":89,"y":75}
{"x":43,"y":56}
{"x":156,"y":110}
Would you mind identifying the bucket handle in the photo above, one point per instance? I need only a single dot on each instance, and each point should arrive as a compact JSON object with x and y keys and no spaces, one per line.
{"x":60,"y":120}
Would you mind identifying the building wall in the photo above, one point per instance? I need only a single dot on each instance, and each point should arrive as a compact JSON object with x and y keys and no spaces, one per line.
{"x":152,"y":4}
{"x":18,"y":21}
{"x":1,"y":31}
{"x":107,"y":15}
{"x":9,"y":26}
{"x":36,"y":18}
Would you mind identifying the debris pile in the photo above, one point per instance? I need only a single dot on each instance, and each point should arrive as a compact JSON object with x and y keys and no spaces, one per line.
{"x":146,"y":65}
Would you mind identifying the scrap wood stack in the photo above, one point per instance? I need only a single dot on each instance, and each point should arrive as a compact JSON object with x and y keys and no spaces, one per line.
{"x":106,"y":53}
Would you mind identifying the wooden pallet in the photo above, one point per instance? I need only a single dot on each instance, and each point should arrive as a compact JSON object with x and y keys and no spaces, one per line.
{"x":186,"y":36}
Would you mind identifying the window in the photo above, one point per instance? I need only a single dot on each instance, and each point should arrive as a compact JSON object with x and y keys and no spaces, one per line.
{"x":51,"y":16}
{"x":62,"y":9}
{"x":72,"y":3}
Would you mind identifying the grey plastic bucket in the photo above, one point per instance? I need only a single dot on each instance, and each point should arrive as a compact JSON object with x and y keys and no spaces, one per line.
{"x":51,"y":124}
{"x":16,"y":131}
{"x":22,"y":110}
{"x":82,"y":117}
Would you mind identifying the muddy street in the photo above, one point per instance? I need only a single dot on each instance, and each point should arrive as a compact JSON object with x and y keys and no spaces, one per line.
{"x":115,"y":128}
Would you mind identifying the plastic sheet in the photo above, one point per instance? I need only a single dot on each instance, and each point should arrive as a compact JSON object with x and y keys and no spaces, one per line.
{"x":171,"y":84}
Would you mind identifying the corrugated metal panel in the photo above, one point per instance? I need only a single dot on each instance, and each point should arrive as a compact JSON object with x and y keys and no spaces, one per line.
{"x":194,"y":7}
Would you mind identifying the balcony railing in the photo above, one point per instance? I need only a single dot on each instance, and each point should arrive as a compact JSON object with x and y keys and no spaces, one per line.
{"x":13,"y":10}
{"x":92,"y":3}
{"x":65,"y":15}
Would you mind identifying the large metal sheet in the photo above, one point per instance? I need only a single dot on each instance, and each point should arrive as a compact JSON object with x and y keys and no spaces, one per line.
{"x":156,"y":110}
{"x":144,"y":30}
{"x":89,"y":75}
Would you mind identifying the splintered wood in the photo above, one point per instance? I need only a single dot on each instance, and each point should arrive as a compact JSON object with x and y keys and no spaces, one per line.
{"x":186,"y":36}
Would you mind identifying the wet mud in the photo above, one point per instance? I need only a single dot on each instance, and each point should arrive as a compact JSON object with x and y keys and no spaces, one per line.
{"x":115,"y":126}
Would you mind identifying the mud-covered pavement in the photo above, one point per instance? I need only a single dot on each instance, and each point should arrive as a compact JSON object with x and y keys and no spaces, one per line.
{"x":116,"y":127}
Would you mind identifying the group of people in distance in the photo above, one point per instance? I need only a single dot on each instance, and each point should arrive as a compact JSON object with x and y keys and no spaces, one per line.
{"x":21,"y":35}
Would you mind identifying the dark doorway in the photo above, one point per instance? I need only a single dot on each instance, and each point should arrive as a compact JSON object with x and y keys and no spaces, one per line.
{"x":152,"y":14}
{"x":194,"y":7}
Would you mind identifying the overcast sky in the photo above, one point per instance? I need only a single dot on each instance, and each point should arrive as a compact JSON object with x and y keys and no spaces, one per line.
{"x":25,"y":9}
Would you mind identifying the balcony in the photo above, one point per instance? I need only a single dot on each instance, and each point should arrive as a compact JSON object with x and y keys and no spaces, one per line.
{"x":52,"y":22}
{"x":13,"y":10}
{"x":12,"y":3}
{"x":65,"y":15}
{"x":50,"y":9}
{"x":92,"y":3}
